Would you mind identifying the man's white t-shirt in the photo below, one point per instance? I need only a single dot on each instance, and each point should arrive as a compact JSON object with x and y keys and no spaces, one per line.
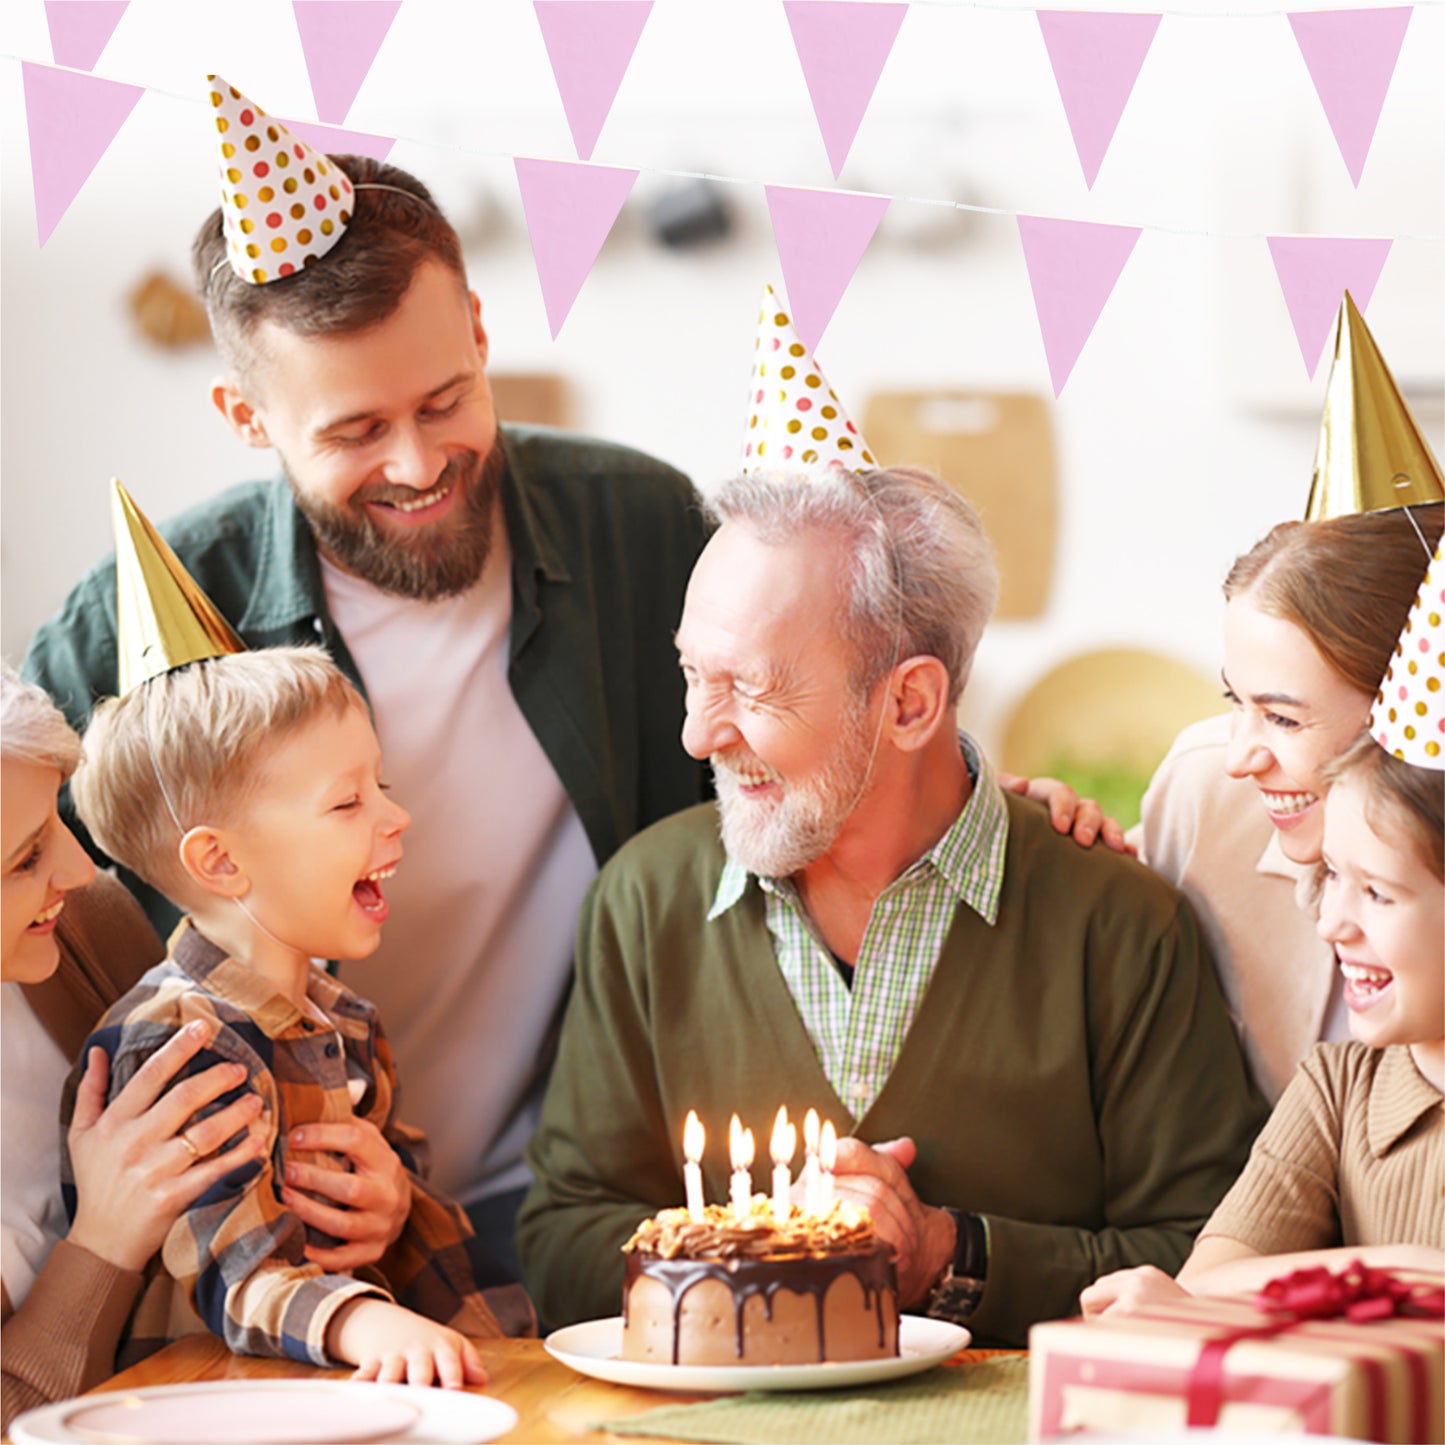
{"x":477,"y":952}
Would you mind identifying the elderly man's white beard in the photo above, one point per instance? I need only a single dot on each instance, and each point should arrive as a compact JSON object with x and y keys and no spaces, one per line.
{"x":777,"y":837}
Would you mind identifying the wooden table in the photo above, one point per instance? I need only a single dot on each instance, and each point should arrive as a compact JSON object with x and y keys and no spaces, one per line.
{"x":552,"y":1402}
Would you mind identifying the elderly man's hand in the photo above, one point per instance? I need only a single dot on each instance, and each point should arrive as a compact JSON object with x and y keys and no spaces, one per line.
{"x":372,"y":1200}
{"x":924,"y":1237}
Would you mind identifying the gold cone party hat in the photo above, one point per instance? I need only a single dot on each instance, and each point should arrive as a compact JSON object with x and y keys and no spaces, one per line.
{"x":795,"y":421}
{"x":1371,"y":455}
{"x":282,"y":205}
{"x":1408,"y":718}
{"x":162,"y":619}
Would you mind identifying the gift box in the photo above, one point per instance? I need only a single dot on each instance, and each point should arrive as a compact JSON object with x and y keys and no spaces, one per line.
{"x":1243,"y":1364}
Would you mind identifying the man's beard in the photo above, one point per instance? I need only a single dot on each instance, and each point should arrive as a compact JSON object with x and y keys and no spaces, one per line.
{"x":776,"y":839}
{"x":426,"y":564}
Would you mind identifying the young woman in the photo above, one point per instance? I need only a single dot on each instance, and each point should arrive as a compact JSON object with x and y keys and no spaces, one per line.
{"x":1233,"y":815}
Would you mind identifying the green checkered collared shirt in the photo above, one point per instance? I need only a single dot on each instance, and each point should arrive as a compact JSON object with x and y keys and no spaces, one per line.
{"x":859,"y":1032}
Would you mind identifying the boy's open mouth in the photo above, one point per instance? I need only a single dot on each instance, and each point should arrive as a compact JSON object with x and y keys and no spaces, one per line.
{"x":367,"y":891}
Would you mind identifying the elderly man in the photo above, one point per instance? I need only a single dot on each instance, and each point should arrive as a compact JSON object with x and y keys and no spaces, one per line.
{"x":1024,"y":1039}
{"x":504,"y":595}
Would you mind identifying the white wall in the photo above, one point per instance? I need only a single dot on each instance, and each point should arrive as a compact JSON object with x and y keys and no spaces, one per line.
{"x":1186,"y":430}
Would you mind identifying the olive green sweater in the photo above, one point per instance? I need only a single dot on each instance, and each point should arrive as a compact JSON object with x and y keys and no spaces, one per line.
{"x":1071,"y":1075}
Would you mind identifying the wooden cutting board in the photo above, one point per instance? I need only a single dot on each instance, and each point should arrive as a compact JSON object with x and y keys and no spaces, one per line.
{"x":996,"y":448}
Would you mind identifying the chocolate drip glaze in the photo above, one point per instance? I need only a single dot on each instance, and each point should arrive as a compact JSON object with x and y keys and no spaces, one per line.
{"x":811,"y":1274}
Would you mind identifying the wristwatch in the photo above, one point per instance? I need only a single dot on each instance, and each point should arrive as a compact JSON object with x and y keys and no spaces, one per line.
{"x":959,"y":1288}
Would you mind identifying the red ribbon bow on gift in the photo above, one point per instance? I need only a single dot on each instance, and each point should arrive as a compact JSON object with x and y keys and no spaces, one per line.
{"x":1358,"y":1293}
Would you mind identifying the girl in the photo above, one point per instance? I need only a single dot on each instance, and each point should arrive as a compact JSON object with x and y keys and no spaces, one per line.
{"x":1349,"y":1164}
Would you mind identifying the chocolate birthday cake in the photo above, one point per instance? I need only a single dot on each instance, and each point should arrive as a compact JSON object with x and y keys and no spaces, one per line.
{"x":758,"y":1291}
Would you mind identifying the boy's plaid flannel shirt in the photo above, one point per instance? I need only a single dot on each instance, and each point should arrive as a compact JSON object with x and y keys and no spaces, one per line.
{"x":234,"y":1262}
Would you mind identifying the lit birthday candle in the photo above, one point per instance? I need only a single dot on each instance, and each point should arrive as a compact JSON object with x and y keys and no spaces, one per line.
{"x":811,"y":1178}
{"x":694,"y":1140}
{"x":827,"y":1160}
{"x":782,"y":1147}
{"x":740,"y":1148}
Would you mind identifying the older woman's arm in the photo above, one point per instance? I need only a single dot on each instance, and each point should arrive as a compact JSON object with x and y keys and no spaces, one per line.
{"x":133,"y":1175}
{"x":63,"y":1338}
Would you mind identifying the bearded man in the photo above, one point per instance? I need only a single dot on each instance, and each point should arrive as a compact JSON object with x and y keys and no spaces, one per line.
{"x":504,"y":596}
{"x":1023,"y":1040}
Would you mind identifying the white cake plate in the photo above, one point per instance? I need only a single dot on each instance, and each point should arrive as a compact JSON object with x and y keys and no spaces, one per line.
{"x":593,"y":1348}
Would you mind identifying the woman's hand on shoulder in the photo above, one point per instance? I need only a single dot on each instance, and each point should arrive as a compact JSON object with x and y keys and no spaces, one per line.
{"x":1080,"y":818}
{"x":138,"y":1163}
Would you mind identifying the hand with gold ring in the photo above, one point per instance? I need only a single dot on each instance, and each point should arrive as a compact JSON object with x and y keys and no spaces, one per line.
{"x":131,"y":1184}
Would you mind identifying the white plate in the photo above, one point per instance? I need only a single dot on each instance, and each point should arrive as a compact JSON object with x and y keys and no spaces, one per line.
{"x":267,"y":1412}
{"x":593,"y":1348}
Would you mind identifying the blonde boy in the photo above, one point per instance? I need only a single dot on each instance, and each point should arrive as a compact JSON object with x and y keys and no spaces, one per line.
{"x":248,"y":789}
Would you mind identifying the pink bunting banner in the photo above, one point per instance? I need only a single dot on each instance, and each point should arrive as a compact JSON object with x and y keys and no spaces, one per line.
{"x":590,"y":44}
{"x":570,"y":210}
{"x":821,"y":238}
{"x":1314,"y":274}
{"x":71,"y":118}
{"x":842,"y":46}
{"x":80,"y":29}
{"x":334,"y":140}
{"x":340,"y":40}
{"x":1096,"y":59}
{"x":1073,"y":267}
{"x":1351,"y":57}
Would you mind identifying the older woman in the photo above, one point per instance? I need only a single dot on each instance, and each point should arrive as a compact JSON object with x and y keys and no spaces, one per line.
{"x":69,"y":946}
{"x":1233,"y":816}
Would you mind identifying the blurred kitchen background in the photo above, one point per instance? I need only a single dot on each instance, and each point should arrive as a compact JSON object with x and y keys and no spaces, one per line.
{"x":1186,"y":430}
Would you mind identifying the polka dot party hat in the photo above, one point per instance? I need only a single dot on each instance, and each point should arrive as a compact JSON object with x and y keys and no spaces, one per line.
{"x":1408,"y":718}
{"x":282,"y":205}
{"x":795,"y":421}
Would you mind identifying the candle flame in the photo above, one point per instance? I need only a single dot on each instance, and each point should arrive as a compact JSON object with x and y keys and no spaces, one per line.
{"x":784,"y":1142}
{"x":740,"y":1145}
{"x":694,"y":1138}
{"x":810,"y":1131}
{"x":828,"y":1147}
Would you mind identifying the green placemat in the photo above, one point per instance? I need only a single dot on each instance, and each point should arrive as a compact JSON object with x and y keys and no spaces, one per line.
{"x":979,"y":1403}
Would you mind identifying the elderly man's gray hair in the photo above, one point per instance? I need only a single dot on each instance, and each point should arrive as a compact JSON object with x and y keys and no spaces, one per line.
{"x":921,"y":578}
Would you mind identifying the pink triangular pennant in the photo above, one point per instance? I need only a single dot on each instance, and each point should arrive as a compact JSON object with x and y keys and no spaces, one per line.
{"x":340,"y":39}
{"x":843,"y":47}
{"x":1073,"y":266}
{"x":590,"y":43}
{"x":1096,"y":59}
{"x":333,"y":140}
{"x":821,"y":237}
{"x":1351,"y":56}
{"x":71,"y":118}
{"x":570,"y":209}
{"x":1314,"y":274}
{"x":79,"y":29}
